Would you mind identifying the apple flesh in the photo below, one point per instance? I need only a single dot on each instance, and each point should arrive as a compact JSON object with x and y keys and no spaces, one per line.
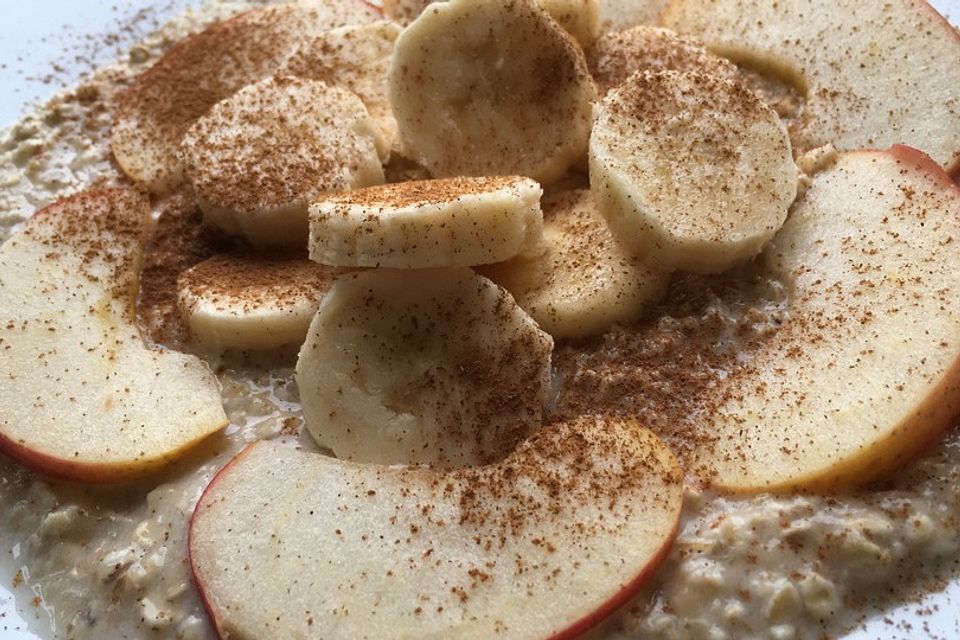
{"x":874,"y":73}
{"x":83,"y":397}
{"x":545,"y":543}
{"x":866,"y":370}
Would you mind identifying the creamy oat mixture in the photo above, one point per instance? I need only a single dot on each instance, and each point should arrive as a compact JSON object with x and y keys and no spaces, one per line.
{"x":111,"y":562}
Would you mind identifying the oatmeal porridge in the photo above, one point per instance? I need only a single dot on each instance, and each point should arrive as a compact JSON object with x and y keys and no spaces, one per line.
{"x":112,"y":561}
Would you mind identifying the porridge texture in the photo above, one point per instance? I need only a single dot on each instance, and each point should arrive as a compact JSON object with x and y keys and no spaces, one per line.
{"x":111,"y":562}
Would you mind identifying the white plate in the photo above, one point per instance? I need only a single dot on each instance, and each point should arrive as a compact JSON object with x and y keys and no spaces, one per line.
{"x":34,"y":34}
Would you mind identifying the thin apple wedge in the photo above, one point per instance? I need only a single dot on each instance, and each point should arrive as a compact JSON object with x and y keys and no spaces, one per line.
{"x":875,"y":73}
{"x":866,"y":370}
{"x":546,"y":543}
{"x":83,"y":397}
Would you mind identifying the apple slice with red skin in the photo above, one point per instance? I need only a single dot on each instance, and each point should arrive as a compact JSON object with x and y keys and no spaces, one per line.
{"x":874,"y":73}
{"x":544,"y":544}
{"x":83,"y":397}
{"x":865,"y":370}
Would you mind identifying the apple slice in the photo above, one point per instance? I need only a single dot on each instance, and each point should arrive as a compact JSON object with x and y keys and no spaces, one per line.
{"x":252,"y":301}
{"x":83,"y":397}
{"x":161,"y":104}
{"x":875,"y":73}
{"x":546,"y":543}
{"x":866,"y":370}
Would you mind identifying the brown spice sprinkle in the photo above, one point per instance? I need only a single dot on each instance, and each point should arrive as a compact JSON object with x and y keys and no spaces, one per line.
{"x":180,"y":240}
{"x":247,"y":281}
{"x":423,"y":192}
{"x":665,"y":370}
{"x":196,"y":73}
{"x":585,"y":461}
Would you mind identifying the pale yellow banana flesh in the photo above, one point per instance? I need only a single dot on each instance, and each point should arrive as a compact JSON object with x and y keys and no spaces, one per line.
{"x":435,"y":366}
{"x":579,"y":281}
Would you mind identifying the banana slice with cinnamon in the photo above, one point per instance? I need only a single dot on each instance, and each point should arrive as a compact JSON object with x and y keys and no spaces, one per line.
{"x":491,"y":88}
{"x":579,"y":280}
{"x":251,"y":301}
{"x":450,"y":222}
{"x":436,"y":366}
{"x":259,"y":157}
{"x":692,"y":171}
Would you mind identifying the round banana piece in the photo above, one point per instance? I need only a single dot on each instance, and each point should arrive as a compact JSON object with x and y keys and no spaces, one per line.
{"x":356,"y":57}
{"x":433,"y":366}
{"x":692,"y":172}
{"x":579,"y":281}
{"x":580,"y":18}
{"x":617,"y":55}
{"x":165,"y":100}
{"x":258,"y":158}
{"x":449,"y":222}
{"x":491,"y":88}
{"x":252,"y":301}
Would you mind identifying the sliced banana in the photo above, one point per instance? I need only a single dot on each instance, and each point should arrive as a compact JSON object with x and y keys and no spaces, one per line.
{"x":580,"y":18}
{"x":252,"y":301}
{"x":618,"y":55}
{"x":580,"y":280}
{"x":691,"y":171}
{"x":450,"y":222}
{"x":356,"y":57}
{"x":160,"y":105}
{"x":491,"y":88}
{"x":259,"y":157}
{"x":436,"y":366}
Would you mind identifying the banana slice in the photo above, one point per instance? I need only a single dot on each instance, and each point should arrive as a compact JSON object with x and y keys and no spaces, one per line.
{"x":161,"y":104}
{"x":259,"y":157}
{"x":580,"y":281}
{"x":618,"y":55}
{"x":436,"y":366}
{"x":692,"y":171}
{"x":580,"y":18}
{"x":491,"y":88}
{"x":252,"y":301}
{"x":451,"y":222}
{"x":356,"y":57}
